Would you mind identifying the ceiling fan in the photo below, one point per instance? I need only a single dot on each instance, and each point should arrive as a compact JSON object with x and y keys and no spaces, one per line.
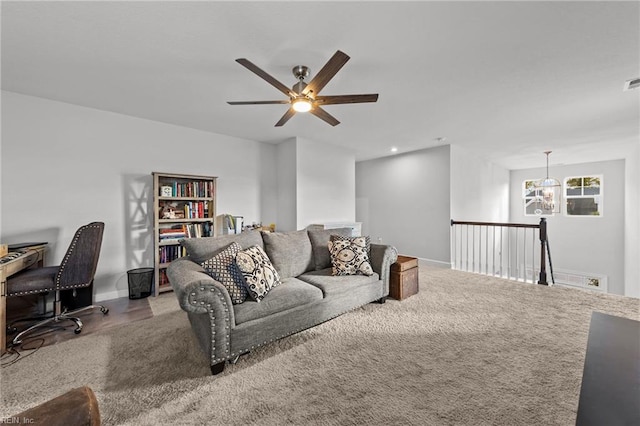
{"x":304,"y":96}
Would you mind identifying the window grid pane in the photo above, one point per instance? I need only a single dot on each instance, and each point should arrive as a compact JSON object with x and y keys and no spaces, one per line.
{"x":583,"y":196}
{"x":529,"y":196}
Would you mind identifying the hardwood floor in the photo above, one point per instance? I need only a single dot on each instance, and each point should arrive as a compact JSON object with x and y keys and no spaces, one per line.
{"x":121,"y":311}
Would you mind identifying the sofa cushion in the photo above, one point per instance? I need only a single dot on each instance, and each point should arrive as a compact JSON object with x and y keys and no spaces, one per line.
{"x":319,"y":244}
{"x":349,"y":255}
{"x":290,"y":294}
{"x":259,"y":274}
{"x":201,"y":249}
{"x":290,"y":252}
{"x":222,"y":267}
{"x":334,"y":285}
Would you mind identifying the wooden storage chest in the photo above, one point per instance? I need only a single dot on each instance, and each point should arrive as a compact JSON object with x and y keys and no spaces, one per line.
{"x":403,"y":281}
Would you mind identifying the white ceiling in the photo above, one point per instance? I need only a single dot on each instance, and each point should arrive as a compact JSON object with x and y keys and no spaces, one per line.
{"x":508,"y":80}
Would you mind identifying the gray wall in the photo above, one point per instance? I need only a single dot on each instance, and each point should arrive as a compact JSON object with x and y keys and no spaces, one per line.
{"x":316,"y":184}
{"x":287,"y":171}
{"x":583,"y":244}
{"x":408,"y":200}
{"x":65,"y":165}
{"x":632,"y":222}
{"x":405,"y":201}
{"x":479,"y":189}
{"x":326,"y":183}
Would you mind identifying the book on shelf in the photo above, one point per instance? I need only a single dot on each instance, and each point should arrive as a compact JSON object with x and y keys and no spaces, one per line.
{"x":194,"y":189}
{"x":176,"y":232}
{"x":163,"y":279}
{"x":173,"y":236}
{"x":195,"y":209}
{"x":186,"y":230}
{"x":172,"y":232}
{"x":183,"y":210}
{"x":170,"y":253}
{"x":198,"y":230}
{"x":173,"y":228}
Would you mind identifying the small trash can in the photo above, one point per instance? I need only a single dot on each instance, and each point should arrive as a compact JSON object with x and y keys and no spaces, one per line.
{"x":140,"y":282}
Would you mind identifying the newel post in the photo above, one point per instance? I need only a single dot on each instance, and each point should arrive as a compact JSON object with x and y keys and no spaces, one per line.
{"x":543,"y":242}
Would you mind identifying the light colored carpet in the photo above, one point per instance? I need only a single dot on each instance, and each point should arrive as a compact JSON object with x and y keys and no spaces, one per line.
{"x":467,"y":350}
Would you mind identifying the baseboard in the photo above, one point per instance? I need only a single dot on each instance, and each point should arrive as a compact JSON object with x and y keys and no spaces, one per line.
{"x":436,"y":263}
{"x":111,"y":295}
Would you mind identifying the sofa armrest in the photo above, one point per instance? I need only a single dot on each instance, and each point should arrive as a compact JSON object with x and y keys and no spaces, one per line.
{"x":382,"y":257}
{"x":208,"y":304}
{"x":198,"y":292}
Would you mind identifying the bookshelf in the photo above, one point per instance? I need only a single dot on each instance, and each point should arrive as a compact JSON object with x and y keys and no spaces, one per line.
{"x":184,"y":206}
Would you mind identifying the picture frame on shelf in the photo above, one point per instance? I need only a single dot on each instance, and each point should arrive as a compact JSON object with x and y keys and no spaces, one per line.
{"x":166,"y":191}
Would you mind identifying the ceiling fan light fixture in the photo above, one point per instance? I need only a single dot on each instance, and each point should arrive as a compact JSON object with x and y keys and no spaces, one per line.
{"x":301,"y":104}
{"x":303,"y":97}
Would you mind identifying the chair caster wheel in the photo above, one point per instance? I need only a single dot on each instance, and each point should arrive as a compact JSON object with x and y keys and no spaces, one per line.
{"x":77,"y":331}
{"x":105,"y":310}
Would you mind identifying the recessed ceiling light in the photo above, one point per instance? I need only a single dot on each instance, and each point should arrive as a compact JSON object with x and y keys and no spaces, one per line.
{"x":394,"y":149}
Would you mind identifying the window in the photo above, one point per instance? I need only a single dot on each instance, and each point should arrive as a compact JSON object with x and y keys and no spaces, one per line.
{"x":532,"y":199}
{"x":583,"y":195}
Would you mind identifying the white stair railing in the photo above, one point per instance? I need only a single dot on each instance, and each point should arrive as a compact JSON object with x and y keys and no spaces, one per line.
{"x":515,"y":251}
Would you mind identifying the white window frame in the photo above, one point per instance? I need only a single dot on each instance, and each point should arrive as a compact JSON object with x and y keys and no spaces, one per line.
{"x":599,"y":197}
{"x":528,"y":199}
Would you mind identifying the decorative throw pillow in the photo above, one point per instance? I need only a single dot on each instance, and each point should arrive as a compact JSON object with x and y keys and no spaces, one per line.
{"x":222,"y":267}
{"x":319,"y":241}
{"x":349,"y":255}
{"x":339,"y":236}
{"x":259,"y":274}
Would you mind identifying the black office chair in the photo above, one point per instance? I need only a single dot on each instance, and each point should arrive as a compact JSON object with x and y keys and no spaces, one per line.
{"x":76,"y":271}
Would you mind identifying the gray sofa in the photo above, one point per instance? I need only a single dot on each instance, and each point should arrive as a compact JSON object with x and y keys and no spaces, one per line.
{"x":308,"y":295}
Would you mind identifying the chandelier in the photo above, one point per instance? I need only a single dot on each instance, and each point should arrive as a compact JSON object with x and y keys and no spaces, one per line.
{"x":548,"y":191}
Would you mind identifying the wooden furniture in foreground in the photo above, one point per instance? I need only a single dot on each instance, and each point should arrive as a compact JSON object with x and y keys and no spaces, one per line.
{"x":77,"y":407}
{"x":610,"y":392}
{"x":31,"y":257}
{"x":403,"y":281}
{"x":184,"y":206}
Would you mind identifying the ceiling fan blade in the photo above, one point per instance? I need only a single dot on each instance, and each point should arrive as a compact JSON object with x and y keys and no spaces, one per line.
{"x":346,"y":99}
{"x":257,"y":102}
{"x":267,"y":77}
{"x":324,"y":115}
{"x":287,"y":115}
{"x":327,"y":72}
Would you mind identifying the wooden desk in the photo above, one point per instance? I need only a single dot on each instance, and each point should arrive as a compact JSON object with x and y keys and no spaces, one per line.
{"x":32,"y":257}
{"x":610,"y":391}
